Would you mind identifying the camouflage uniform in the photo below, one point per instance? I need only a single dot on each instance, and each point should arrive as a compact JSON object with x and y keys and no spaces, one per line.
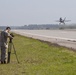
{"x":4,"y":36}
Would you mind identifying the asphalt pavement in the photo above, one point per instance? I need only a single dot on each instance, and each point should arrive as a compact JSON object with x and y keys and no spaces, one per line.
{"x":65,"y":38}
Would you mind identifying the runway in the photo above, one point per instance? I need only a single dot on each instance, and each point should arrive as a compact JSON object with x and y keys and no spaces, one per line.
{"x":65,"y":38}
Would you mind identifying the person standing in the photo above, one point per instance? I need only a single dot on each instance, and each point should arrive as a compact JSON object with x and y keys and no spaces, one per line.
{"x":4,"y":45}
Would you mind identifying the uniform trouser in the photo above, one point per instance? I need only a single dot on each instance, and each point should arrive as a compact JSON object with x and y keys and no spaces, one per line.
{"x":3,"y":53}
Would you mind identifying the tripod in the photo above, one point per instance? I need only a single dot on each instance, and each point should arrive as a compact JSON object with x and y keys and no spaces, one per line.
{"x":10,"y":46}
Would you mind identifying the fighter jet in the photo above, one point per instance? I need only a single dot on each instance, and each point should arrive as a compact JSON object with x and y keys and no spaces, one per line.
{"x":62,"y":20}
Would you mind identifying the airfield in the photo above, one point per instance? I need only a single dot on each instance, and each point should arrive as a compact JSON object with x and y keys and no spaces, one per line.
{"x":65,"y":38}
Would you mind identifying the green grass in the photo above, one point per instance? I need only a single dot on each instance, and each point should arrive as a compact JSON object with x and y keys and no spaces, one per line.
{"x":39,"y":58}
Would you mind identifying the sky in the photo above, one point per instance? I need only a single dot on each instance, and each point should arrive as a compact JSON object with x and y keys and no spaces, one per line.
{"x":25,"y":12}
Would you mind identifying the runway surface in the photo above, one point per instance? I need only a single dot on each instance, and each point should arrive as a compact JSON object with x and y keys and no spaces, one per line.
{"x":62,"y":37}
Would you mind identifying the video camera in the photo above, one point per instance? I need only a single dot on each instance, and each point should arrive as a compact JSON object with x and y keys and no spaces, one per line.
{"x":11,"y":37}
{"x":12,"y":34}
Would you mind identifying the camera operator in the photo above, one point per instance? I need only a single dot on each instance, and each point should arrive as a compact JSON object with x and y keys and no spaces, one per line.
{"x":4,"y":45}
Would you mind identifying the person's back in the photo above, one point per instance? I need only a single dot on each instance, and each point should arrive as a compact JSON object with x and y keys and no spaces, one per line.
{"x":4,"y":36}
{"x":0,"y":46}
{"x":0,"y":39}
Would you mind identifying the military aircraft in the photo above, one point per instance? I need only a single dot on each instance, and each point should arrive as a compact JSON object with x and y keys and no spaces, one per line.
{"x":62,"y":20}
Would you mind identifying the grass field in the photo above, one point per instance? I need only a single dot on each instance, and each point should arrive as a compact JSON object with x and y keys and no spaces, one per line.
{"x":39,"y":58}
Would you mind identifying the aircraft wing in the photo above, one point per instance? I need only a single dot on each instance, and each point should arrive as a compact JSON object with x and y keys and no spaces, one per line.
{"x":67,"y":20}
{"x":57,"y":21}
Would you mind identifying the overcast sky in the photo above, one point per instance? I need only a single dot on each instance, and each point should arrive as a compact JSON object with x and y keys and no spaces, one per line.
{"x":22,"y":12}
